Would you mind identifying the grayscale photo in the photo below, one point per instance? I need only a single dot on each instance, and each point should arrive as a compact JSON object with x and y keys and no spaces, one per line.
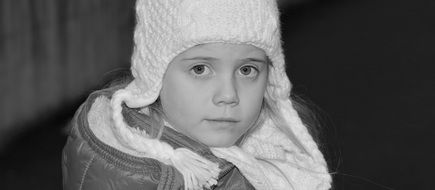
{"x":217,"y":94}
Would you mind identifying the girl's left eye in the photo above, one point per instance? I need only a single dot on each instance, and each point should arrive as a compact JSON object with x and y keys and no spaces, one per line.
{"x":248,"y":71}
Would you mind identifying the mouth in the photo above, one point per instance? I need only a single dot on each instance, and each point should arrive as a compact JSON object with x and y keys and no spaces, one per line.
{"x":222,"y":123}
{"x":223,"y":120}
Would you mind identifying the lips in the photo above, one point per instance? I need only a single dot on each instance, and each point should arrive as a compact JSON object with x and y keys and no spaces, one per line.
{"x":224,"y":119}
{"x":222,"y":123}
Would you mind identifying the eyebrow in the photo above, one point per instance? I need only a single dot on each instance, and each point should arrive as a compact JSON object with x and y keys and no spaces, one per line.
{"x":200,"y":58}
{"x":256,"y":60}
{"x":215,"y":59}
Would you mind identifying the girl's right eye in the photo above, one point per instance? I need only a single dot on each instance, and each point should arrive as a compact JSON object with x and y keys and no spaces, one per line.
{"x":200,"y":70}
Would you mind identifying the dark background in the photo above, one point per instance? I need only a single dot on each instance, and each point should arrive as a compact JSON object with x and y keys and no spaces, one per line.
{"x":367,"y":64}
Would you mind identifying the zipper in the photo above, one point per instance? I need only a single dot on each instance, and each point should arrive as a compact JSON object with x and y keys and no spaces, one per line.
{"x":221,"y":175}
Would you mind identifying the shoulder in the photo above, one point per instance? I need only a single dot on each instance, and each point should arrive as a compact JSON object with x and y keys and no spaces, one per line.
{"x":93,"y":159}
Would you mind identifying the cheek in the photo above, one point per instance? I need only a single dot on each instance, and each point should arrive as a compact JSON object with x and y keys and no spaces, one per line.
{"x":171,"y":98}
{"x":252,"y":100}
{"x":252,"y":104}
{"x":179,"y":100}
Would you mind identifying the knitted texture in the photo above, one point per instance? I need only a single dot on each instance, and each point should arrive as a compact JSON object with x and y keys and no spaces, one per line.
{"x":166,"y":28}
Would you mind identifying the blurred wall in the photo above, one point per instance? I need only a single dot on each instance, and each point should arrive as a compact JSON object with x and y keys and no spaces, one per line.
{"x":54,"y":51}
{"x":369,"y":64}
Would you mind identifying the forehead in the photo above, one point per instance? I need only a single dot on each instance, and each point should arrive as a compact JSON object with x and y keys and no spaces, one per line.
{"x":224,"y":50}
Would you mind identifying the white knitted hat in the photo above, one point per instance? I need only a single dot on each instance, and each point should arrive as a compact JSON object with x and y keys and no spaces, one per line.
{"x":165,"y":28}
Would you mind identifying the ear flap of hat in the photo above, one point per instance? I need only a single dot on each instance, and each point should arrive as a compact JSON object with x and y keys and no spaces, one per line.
{"x":300,"y":151}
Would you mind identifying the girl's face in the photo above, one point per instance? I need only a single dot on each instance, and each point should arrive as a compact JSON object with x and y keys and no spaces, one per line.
{"x":213,"y":92}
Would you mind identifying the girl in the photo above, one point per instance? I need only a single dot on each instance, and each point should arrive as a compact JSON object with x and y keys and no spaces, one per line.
{"x":208,"y":107}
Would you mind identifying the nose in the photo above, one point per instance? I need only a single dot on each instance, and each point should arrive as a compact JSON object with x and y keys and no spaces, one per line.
{"x":226,"y":93}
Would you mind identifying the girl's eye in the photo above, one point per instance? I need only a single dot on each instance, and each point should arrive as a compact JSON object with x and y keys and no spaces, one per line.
{"x":200,"y":70}
{"x":248,"y":71}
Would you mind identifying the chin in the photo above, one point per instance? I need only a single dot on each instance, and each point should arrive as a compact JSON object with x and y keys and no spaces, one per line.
{"x":219,"y":142}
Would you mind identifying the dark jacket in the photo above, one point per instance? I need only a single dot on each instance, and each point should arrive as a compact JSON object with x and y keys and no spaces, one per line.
{"x":88,"y":163}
